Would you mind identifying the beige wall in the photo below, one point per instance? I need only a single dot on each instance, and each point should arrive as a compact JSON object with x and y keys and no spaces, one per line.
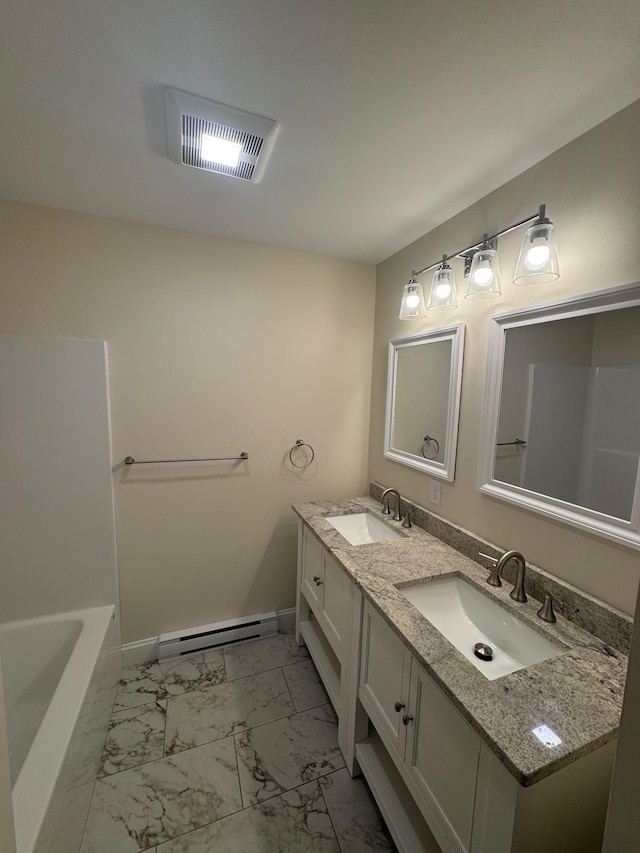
{"x":591,"y":188}
{"x":215,"y":346}
{"x":7,"y":834}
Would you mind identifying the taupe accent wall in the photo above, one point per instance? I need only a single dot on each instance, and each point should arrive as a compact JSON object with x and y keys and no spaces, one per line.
{"x":215,"y":346}
{"x":592,"y":189}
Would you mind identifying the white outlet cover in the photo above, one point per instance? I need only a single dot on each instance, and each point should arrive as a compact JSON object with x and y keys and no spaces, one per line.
{"x":435,"y":492}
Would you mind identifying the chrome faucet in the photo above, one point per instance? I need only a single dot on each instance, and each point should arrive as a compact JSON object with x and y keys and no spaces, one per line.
{"x":517,"y":593}
{"x":385,"y":503}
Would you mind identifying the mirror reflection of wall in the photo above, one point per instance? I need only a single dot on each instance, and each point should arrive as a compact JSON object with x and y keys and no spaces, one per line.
{"x":421,"y":400}
{"x":571,"y":389}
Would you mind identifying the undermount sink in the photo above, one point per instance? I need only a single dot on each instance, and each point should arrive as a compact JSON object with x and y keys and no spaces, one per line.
{"x":468,"y":617}
{"x":362,"y":528}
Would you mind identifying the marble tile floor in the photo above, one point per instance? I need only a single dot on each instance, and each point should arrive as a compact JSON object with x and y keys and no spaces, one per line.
{"x":232,"y":750}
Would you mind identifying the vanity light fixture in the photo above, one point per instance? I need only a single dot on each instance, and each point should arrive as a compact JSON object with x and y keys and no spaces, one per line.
{"x":483,"y":280}
{"x":537,"y":264}
{"x":412,"y":306}
{"x":443,"y":288}
{"x":538,"y":259}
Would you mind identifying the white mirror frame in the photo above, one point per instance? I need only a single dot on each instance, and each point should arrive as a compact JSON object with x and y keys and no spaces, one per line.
{"x":616,"y":529}
{"x":445,"y":470}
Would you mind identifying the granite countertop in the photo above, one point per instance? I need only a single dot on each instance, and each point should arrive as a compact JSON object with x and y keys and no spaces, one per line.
{"x":577,"y":694}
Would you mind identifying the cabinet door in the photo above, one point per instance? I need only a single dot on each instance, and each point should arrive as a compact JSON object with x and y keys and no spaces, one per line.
{"x":442,"y":756}
{"x":334,"y":603}
{"x":384,"y":678}
{"x":312,"y":570}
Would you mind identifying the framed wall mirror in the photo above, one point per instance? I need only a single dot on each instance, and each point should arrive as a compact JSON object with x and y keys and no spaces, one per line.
{"x":423,"y":400}
{"x":561,"y":430}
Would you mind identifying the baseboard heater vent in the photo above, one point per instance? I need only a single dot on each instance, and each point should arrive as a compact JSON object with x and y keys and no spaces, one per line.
{"x":217,"y":634}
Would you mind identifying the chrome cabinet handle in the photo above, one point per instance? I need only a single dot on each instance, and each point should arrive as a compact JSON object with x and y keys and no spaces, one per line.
{"x":406,"y":719}
{"x":399,"y":706}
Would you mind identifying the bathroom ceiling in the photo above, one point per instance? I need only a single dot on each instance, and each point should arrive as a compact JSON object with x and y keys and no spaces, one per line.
{"x":395,"y":114}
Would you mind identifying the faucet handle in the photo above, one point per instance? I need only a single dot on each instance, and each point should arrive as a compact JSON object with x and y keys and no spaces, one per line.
{"x":406,"y":521}
{"x":494,"y":577}
{"x":546,"y":611}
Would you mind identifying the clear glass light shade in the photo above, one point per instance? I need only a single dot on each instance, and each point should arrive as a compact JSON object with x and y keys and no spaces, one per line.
{"x":538,"y":259}
{"x":484,"y":275}
{"x":443,"y":290}
{"x":412,"y":307}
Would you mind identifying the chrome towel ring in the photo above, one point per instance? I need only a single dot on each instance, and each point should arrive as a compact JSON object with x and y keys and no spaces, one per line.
{"x":300,"y":443}
{"x":430,"y":443}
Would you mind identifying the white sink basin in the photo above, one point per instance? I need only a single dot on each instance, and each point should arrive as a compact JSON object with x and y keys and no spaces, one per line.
{"x":362,"y":528}
{"x":466,"y":616}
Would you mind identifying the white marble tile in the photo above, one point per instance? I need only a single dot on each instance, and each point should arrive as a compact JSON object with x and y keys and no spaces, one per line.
{"x":294,"y":822}
{"x":282,"y":755}
{"x":139,"y":808}
{"x":353,"y":814}
{"x":193,"y":672}
{"x":305,"y":685}
{"x":197,"y":718}
{"x":135,"y":736}
{"x":139,"y":685}
{"x":258,"y":656}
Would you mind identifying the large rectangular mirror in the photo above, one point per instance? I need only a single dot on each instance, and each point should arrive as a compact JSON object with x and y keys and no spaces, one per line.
{"x":423,"y":400}
{"x":562,"y":422}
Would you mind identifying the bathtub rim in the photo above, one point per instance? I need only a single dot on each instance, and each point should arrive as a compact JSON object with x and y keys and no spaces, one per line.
{"x":34,"y":789}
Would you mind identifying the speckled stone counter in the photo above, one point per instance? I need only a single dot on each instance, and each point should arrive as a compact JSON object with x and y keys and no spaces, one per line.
{"x":577,"y":694}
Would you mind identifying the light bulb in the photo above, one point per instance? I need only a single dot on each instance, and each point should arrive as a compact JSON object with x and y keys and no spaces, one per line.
{"x":213,"y":149}
{"x":443,"y":290}
{"x":412,"y":301}
{"x":536,"y":257}
{"x":482,"y":276}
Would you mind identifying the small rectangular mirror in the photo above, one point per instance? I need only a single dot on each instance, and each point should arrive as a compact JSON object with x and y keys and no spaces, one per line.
{"x":423,"y":400}
{"x":562,"y":422}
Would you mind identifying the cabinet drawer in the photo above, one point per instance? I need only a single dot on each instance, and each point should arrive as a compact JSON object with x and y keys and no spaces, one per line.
{"x":312,"y":570}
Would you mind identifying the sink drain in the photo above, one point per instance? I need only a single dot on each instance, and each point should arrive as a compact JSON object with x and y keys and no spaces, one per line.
{"x":483,"y":651}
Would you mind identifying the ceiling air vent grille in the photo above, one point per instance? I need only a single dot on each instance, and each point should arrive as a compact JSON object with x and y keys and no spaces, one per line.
{"x":189,"y":118}
{"x":192,"y":130}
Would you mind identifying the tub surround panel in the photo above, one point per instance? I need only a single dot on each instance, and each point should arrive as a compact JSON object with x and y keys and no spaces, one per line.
{"x":577,"y":694}
{"x":595,"y":617}
{"x":55,"y":458}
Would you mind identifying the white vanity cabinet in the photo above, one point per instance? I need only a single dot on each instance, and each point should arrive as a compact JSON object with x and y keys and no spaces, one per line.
{"x":325,"y":605}
{"x":325,"y":587}
{"x":438,"y":785}
{"x":435,"y":751}
{"x":466,"y":797}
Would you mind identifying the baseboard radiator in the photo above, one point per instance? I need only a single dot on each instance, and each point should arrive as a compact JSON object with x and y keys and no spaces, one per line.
{"x":206,"y":637}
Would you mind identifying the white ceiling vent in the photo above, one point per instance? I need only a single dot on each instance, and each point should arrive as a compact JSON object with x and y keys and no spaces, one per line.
{"x":218,"y":138}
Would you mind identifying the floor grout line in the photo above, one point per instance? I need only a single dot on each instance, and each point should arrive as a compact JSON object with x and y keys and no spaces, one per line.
{"x":153,"y":703}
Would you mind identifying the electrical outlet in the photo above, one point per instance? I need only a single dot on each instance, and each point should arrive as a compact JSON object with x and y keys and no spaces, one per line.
{"x":435,"y":492}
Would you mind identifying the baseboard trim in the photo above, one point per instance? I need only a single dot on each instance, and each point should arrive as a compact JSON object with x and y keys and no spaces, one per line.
{"x":140,"y":651}
{"x":146,"y":651}
{"x":286,"y":620}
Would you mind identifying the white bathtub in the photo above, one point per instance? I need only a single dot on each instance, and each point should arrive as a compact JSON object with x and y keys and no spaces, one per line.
{"x":60,"y":675}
